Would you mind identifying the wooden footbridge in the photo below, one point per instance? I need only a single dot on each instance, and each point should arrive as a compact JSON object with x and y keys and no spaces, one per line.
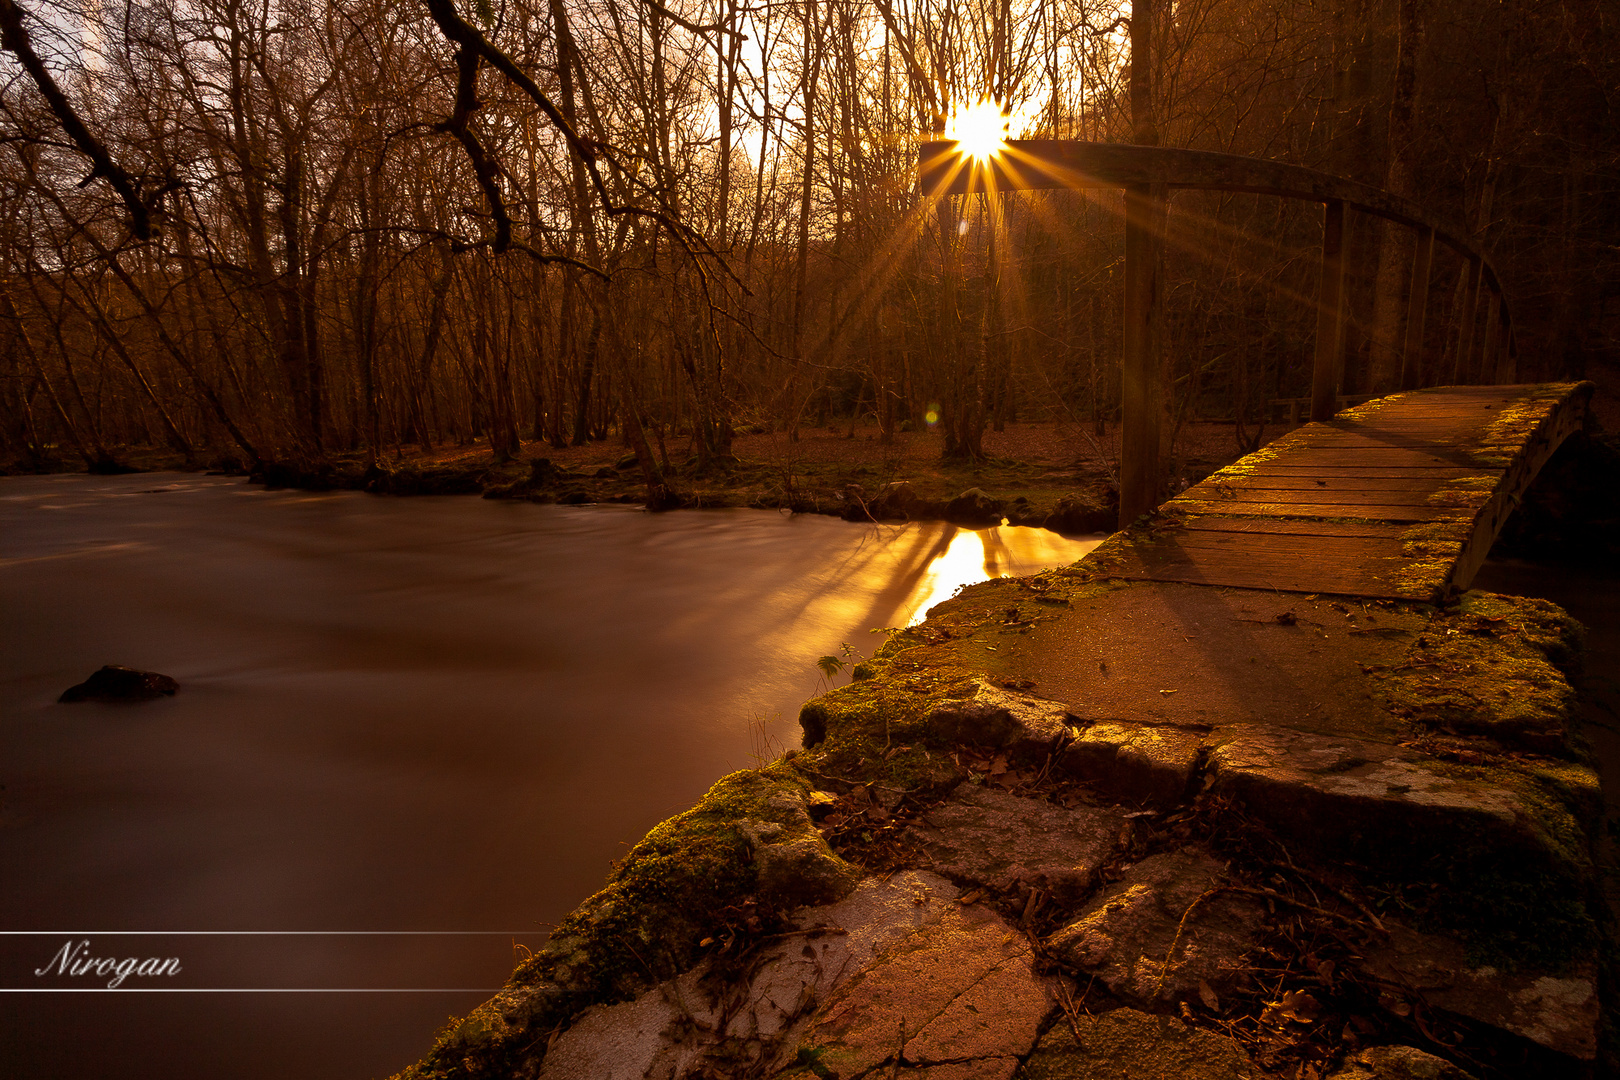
{"x":1399,"y":498}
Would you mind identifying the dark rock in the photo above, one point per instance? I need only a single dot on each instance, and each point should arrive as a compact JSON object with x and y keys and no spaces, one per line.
{"x":280,"y":474}
{"x":107,"y":466}
{"x":1128,"y":1045}
{"x":1021,"y":512}
{"x":896,"y":502}
{"x":974,"y":508}
{"x":576,"y":497}
{"x":1560,"y":1011}
{"x":1125,"y":936}
{"x":1074,"y":517}
{"x":446,"y":481}
{"x":542,"y":472}
{"x":606,"y":472}
{"x":1136,"y":762}
{"x":1397,"y":1063}
{"x":117,"y":683}
{"x":1028,"y":728}
{"x":629,"y":461}
{"x":991,"y":838}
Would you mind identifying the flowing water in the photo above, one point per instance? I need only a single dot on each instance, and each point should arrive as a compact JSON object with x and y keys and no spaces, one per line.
{"x":411,"y":734}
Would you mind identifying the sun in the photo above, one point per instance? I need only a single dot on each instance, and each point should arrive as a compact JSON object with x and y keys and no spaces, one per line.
{"x":980,"y":130}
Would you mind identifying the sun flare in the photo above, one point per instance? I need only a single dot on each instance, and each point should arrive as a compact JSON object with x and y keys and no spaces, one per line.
{"x":980,"y":130}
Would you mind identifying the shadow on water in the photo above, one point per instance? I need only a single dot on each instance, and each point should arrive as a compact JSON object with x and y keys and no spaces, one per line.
{"x":422,"y":714}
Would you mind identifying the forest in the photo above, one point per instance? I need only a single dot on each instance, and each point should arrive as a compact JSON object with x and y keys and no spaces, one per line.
{"x":282,"y":231}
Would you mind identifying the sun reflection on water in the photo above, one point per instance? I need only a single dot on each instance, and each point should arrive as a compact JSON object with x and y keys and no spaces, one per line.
{"x":976,"y":555}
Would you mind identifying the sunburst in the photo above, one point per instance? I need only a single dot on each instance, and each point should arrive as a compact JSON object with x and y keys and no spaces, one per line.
{"x":980,"y":130}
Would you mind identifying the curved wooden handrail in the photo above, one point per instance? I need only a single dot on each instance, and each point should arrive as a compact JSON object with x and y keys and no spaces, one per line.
{"x":1027,"y":164}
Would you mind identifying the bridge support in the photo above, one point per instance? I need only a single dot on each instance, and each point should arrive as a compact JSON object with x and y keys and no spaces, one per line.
{"x":1329,"y":315}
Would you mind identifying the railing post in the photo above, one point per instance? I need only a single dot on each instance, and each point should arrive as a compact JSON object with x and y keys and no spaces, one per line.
{"x":1141,"y":389}
{"x":1492,"y":340}
{"x":1417,"y":308}
{"x":1329,"y":314}
{"x":1506,"y":373}
{"x":1463,"y":367}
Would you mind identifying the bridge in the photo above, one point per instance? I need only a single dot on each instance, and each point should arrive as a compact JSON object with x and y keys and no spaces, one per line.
{"x":1147,"y":174}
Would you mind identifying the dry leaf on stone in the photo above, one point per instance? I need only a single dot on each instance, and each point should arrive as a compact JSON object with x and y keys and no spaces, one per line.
{"x":1296,"y":1006}
{"x":1206,"y":994}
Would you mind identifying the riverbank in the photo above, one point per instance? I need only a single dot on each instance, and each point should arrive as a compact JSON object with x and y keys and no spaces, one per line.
{"x":1058,"y":476}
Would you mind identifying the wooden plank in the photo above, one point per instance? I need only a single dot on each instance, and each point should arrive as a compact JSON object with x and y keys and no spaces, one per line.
{"x":1289,"y":527}
{"x":1330,"y":481}
{"x":1282,"y":470}
{"x":1328,"y":496}
{"x":1378,"y":512}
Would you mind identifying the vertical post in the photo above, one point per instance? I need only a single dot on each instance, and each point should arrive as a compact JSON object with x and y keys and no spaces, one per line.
{"x":1329,"y":314}
{"x":1462,"y":368}
{"x":1141,"y":377}
{"x":1491,"y":344}
{"x":1141,"y":389}
{"x":1505,"y":374}
{"x":1417,"y":307}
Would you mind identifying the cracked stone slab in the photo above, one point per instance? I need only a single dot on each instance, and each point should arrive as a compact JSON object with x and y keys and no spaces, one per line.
{"x":1331,"y":791}
{"x":1139,"y":763}
{"x":671,"y":1030}
{"x":1028,"y":728}
{"x":1560,"y":1012}
{"x":995,"y":839}
{"x":963,"y":989}
{"x":1128,"y":1045}
{"x":1124,"y":936}
{"x":1397,"y":1063}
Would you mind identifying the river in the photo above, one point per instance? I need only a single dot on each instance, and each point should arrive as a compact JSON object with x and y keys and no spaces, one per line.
{"x":411,"y":734}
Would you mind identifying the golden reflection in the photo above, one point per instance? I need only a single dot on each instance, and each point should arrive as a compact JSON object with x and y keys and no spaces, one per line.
{"x":971,"y":556}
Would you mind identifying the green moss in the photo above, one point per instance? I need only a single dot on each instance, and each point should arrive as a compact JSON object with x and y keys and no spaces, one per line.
{"x":1487,"y":667}
{"x":690,"y":878}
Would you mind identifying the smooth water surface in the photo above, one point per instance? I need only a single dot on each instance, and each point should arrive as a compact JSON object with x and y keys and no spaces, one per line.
{"x":424,"y":714}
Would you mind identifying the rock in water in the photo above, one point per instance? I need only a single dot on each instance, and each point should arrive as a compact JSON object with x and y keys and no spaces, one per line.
{"x":974,"y":508}
{"x":114,"y":682}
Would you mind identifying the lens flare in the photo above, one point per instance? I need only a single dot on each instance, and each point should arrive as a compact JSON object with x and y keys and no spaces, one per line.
{"x":980,"y":130}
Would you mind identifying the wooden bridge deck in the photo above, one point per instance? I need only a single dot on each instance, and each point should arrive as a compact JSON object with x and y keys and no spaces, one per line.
{"x":1401,"y":497}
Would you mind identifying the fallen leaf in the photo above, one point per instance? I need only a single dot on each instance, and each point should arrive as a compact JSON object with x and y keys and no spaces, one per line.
{"x":1207,"y":995}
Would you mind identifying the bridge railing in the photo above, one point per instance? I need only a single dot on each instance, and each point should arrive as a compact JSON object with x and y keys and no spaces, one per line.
{"x":1147,"y":173}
